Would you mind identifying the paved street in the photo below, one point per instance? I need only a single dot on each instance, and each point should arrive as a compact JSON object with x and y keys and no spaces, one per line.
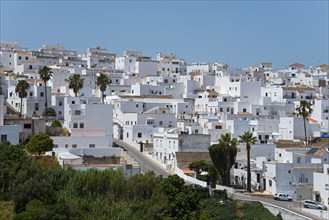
{"x":292,"y":206}
{"x":146,"y":163}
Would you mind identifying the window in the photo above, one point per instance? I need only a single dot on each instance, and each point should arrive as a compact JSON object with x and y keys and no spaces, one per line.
{"x":270,"y":182}
{"x":160,"y":123}
{"x":77,"y":112}
{"x":30,"y":67}
{"x":74,"y":145}
{"x":127,"y":135}
{"x":3,"y":137}
{"x":66,"y":145}
{"x":59,"y":113}
{"x":73,"y":102}
{"x":75,"y":125}
{"x":139,"y":135}
{"x":27,"y":126}
{"x":19,"y":57}
{"x":82,"y":125}
{"x":279,"y":154}
{"x":60,"y":102}
{"x":26,"y":58}
{"x":244,"y":110}
{"x":36,"y":106}
{"x":91,"y":145}
{"x":41,"y":94}
{"x":298,"y":159}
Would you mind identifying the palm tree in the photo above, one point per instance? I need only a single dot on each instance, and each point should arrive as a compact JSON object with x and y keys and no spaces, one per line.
{"x":21,"y":88}
{"x":304,"y":110}
{"x":103,"y":81}
{"x":76,"y":83}
{"x":248,"y":138}
{"x":223,"y":156}
{"x":45,"y":74}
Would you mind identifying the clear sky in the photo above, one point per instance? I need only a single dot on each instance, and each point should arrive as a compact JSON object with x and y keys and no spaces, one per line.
{"x":240,"y":33}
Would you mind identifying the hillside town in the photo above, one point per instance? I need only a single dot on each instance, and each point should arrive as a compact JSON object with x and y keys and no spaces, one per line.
{"x":171,"y":111}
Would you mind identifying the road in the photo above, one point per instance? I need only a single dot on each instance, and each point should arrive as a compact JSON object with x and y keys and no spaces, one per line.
{"x":145,"y":163}
{"x":291,"y":206}
{"x":149,"y":165}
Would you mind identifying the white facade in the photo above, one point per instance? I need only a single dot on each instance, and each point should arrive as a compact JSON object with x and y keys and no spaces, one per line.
{"x":321,"y":184}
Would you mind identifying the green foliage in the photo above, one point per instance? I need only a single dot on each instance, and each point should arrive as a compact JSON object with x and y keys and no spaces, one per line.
{"x":248,"y":138}
{"x":199,"y":166}
{"x":236,"y":210}
{"x":76,"y":82}
{"x":49,"y":112}
{"x":13,"y":159}
{"x":223,"y":156}
{"x":56,"y":123}
{"x":103,"y":81}
{"x":7,"y":210}
{"x":304,"y":110}
{"x":21,"y":88}
{"x":40,"y":143}
{"x":41,"y":189}
{"x":35,"y":209}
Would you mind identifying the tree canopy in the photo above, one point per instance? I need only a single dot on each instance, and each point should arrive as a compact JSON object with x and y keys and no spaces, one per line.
{"x":248,"y":138}
{"x":223,"y":156}
{"x":304,"y":110}
{"x":103,"y":81}
{"x":40,"y":143}
{"x":21,"y":88}
{"x":76,"y":82}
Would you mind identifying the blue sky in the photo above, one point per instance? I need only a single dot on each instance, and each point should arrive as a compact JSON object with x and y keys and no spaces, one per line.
{"x":240,"y":33}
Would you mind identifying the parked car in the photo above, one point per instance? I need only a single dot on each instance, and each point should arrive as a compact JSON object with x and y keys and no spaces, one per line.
{"x":282,"y":196}
{"x":314,"y":205}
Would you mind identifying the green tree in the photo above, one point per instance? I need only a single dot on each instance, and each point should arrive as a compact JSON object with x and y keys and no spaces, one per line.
{"x":248,"y":138}
{"x":103,"y":81}
{"x":13,"y":159}
{"x":198,"y":166}
{"x":49,"y":112}
{"x":304,"y":110}
{"x":56,"y":123}
{"x":223,"y":156}
{"x":35,"y":209}
{"x":21,"y":88}
{"x":76,"y":82}
{"x":45,"y":74}
{"x":40,"y":143}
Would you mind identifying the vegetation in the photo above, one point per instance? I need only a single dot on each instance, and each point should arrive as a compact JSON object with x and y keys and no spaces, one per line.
{"x":248,"y":138}
{"x":223,"y":156}
{"x":199,"y":166}
{"x":304,"y":110}
{"x":236,"y":210}
{"x":45,"y":74}
{"x":56,"y":123}
{"x":40,"y":143}
{"x":103,"y":81}
{"x":38,"y":188}
{"x":21,"y":88}
{"x":49,"y":112}
{"x":76,"y":82}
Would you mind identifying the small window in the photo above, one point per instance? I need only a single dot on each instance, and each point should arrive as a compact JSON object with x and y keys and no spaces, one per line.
{"x":82,"y":125}
{"x":60,"y":102}
{"x":27,"y":126}
{"x":3,"y":137}
{"x":160,"y":123}
{"x":127,"y":135}
{"x":26,"y":58}
{"x":36,"y":106}
{"x":75,"y":125}
{"x":77,"y":112}
{"x":31,"y":94}
{"x":270,"y":182}
{"x":19,"y":57}
{"x":41,"y":94}
{"x":139,"y":135}
{"x":91,"y":145}
{"x":74,"y":145}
